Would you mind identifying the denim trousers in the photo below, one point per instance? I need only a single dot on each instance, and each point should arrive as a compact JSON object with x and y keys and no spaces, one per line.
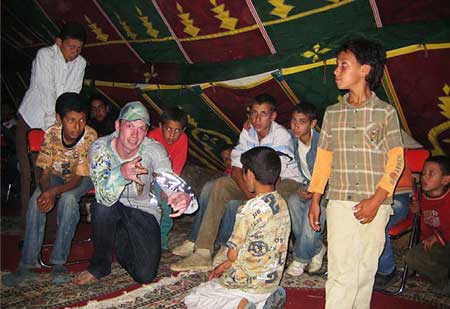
{"x":224,"y":190}
{"x":228,"y":220}
{"x":202,"y":204}
{"x":386,"y":263}
{"x":132,"y":234}
{"x":166,"y":222}
{"x":307,"y":242}
{"x":68,"y":215}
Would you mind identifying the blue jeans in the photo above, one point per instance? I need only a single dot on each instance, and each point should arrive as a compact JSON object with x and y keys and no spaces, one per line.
{"x":228,"y":220}
{"x":132,"y":234}
{"x":68,"y":215}
{"x":386,"y":262}
{"x":202,"y":204}
{"x":307,"y":241}
{"x":166,"y":222}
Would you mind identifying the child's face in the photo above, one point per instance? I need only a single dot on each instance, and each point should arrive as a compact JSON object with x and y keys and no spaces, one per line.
{"x":433,"y":179}
{"x":70,"y":48}
{"x":349,"y":73}
{"x":301,"y":124}
{"x":261,"y":116}
{"x":226,"y":158}
{"x":171,"y":131}
{"x":73,"y":125}
{"x":98,"y":110}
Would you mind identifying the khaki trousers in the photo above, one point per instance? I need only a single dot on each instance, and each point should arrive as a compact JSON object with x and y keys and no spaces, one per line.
{"x":353,"y":252}
{"x":224,"y":190}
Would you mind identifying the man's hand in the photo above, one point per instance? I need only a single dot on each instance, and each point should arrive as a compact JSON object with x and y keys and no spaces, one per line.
{"x":304,"y":194}
{"x":429,"y":242}
{"x":179,"y":201}
{"x":314,"y":215}
{"x":219,"y":270}
{"x":366,"y":210}
{"x":131,"y":170}
{"x":46,"y":201}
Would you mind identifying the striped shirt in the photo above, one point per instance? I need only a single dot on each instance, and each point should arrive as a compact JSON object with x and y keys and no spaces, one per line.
{"x":278,"y":139}
{"x":360,"y":139}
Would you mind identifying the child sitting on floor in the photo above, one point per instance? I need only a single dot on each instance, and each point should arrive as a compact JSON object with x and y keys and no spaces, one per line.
{"x":257,"y":247}
{"x":431,"y":257}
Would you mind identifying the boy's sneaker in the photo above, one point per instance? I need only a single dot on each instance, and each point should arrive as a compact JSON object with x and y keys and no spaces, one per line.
{"x":316,"y":262}
{"x":276,"y":300}
{"x":296,"y":269}
{"x":17,"y":277}
{"x":221,"y":256}
{"x":185,"y":249}
{"x":200,"y":260}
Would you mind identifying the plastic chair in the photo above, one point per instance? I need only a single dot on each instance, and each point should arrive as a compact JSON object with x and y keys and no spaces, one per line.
{"x":415,"y":159}
{"x":35,"y":138}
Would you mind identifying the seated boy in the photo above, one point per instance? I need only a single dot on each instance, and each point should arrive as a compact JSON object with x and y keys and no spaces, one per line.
{"x":170,"y":134}
{"x":102,"y":117}
{"x":309,"y":249}
{"x":431,"y":257}
{"x":257,"y":247}
{"x":187,"y":247}
{"x":64,"y":180}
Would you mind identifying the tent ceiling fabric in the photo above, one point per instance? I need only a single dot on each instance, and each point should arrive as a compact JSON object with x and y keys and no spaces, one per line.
{"x":212,"y":56}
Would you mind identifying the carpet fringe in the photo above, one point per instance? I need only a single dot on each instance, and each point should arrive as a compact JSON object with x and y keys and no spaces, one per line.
{"x":131,"y":295}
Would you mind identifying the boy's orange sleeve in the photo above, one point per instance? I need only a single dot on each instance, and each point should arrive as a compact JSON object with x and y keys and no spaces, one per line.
{"x":322,"y":171}
{"x":393,"y":170}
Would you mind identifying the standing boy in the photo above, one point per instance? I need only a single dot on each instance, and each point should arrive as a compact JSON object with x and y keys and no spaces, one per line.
{"x":56,"y":69}
{"x":309,"y":249}
{"x":257,"y":247}
{"x":170,"y":134}
{"x":360,"y":153}
{"x":65,"y":173}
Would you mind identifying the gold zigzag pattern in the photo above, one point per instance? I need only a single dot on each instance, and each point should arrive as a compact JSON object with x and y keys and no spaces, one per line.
{"x":147,"y":24}
{"x":223,"y":15}
{"x":187,"y":21}
{"x":96,"y":30}
{"x":132,"y":35}
{"x":281,"y":10}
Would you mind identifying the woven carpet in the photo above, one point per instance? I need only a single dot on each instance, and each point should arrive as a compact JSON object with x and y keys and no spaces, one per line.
{"x":118,"y":290}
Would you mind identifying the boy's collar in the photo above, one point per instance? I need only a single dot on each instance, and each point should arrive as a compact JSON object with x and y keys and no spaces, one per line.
{"x":370,"y":99}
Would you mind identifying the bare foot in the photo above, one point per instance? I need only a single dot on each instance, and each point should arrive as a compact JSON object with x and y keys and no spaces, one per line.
{"x":84,"y":278}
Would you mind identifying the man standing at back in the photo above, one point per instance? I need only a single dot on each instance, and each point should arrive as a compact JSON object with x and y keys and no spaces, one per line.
{"x":56,"y":69}
{"x":264,"y":132}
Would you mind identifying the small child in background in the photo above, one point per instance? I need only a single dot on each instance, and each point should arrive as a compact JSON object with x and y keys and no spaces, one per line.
{"x":258,"y":246}
{"x":431,"y":257}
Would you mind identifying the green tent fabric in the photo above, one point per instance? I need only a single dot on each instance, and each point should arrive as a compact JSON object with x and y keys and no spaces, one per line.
{"x":210,"y":57}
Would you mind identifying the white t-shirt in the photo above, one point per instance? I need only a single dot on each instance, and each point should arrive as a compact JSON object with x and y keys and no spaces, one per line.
{"x":302,"y":151}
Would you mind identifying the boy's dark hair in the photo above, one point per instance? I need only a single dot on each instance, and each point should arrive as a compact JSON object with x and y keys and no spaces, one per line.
{"x":73,"y":30}
{"x":307,"y":109}
{"x":98,"y":97}
{"x":264,"y":162}
{"x":70,"y":102}
{"x":443,"y":162}
{"x":367,"y":52}
{"x":265,"y":99}
{"x":174,"y":114}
